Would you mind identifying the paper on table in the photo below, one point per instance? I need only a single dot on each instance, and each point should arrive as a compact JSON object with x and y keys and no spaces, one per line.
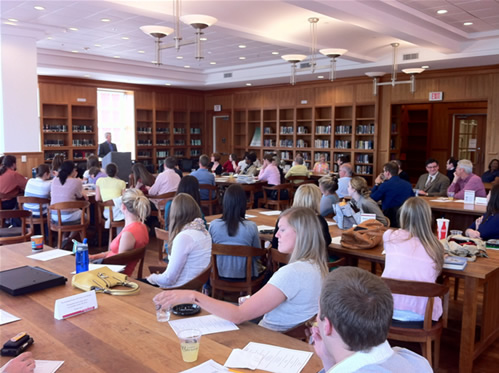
{"x":271,"y":213}
{"x":208,"y":324}
{"x":265,"y":227}
{"x":278,"y":359}
{"x":243,"y":359}
{"x":43,"y":366}
{"x":112,"y":267}
{"x":6,"y":317}
{"x":336,"y":240}
{"x":248,"y":216}
{"x":331,"y":222}
{"x":209,"y":366}
{"x":50,"y":254}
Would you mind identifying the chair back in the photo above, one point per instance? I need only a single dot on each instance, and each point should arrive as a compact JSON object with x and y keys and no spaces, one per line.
{"x":212,"y":202}
{"x":59,"y":227}
{"x":162,"y":200}
{"x":127,"y":258}
{"x":101,"y":220}
{"x":197,"y":282}
{"x":16,"y":234}
{"x":299,"y":179}
{"x":249,"y":285}
{"x":278,"y":259}
{"x":41,"y":220}
{"x":250,"y":190}
{"x":302,"y":330}
{"x":279,"y":196}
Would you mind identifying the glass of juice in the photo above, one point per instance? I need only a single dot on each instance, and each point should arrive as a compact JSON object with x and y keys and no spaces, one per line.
{"x":189,"y":344}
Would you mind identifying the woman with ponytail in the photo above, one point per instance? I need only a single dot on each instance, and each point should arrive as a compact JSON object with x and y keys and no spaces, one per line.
{"x":136,"y":208}
{"x":66,"y":187}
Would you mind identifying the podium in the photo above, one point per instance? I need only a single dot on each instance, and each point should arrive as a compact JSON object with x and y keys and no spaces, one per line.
{"x":124,"y":162}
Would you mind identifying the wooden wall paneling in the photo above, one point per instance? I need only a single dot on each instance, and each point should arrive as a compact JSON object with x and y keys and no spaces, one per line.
{"x":305,"y":94}
{"x":75,"y":94}
{"x":325,"y":96}
{"x":162,"y":100}
{"x":144,"y":100}
{"x":492,"y":132}
{"x":478,"y":86}
{"x":196,"y":103}
{"x":250,"y":100}
{"x":440,"y":135}
{"x":53,"y":93}
{"x":344,"y":94}
{"x":270,"y":99}
{"x":224,"y":100}
{"x":286,"y":97}
{"x":453,"y":88}
{"x":33,"y":159}
{"x":180,"y":101}
{"x":364,"y":93}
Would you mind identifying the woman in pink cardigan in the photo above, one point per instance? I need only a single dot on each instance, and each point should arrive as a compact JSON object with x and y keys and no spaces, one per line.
{"x":413,"y":253}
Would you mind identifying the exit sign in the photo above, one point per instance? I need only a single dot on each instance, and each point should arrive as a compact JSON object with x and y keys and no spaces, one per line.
{"x":436,"y":96}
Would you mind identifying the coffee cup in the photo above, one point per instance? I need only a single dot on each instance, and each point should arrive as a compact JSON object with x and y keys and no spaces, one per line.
{"x":36,"y":243}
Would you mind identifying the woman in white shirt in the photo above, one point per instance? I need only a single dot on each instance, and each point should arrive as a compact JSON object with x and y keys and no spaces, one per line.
{"x":286,"y":300}
{"x":190,"y":244}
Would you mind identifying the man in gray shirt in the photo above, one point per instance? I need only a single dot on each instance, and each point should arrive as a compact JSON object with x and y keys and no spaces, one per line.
{"x":346,"y":173}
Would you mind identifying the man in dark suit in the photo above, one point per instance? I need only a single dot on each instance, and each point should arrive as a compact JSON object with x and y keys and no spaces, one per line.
{"x":107,"y":146}
{"x":432,"y":183}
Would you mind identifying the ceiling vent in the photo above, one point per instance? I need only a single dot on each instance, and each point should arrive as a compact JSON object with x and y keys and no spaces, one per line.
{"x":410,"y":56}
{"x":305,"y":65}
{"x":227,"y":75}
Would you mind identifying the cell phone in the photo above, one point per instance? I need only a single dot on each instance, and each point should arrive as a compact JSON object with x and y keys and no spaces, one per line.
{"x":17,"y":344}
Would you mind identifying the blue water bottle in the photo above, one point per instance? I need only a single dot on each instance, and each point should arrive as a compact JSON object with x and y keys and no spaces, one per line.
{"x":82,"y":257}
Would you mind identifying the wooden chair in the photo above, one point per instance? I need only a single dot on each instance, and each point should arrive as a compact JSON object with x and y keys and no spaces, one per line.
{"x":16,"y":234}
{"x":161,"y":200}
{"x":251,"y":190}
{"x":212,"y":202}
{"x":298,"y":180}
{"x":128,"y":257}
{"x":59,"y":227}
{"x":162,"y":237}
{"x":301,"y":331}
{"x":245,"y":287}
{"x":41,"y":220}
{"x":429,"y":331}
{"x":198,"y":282}
{"x":281,"y":203}
{"x":101,"y":220}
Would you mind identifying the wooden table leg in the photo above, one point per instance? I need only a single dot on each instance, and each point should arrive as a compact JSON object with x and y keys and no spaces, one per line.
{"x":468,"y":326}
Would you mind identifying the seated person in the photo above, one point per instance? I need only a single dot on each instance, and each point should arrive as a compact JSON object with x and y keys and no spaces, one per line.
{"x":341,"y":160}
{"x":94,"y":174}
{"x":465,"y":179}
{"x":286,"y":300}
{"x":413,"y":253}
{"x":299,"y":169}
{"x":350,"y":338}
{"x":451,"y":167}
{"x":23,"y":363}
{"x":136,"y":208}
{"x":190,"y":244}
{"x":12,"y":183}
{"x":56,"y":165}
{"x":110,"y":187}
{"x":402,"y":174}
{"x":231,"y":164}
{"x":392,"y":191}
{"x":432,"y":183}
{"x":486,"y":227}
{"x":38,"y":187}
{"x":142,"y":178}
{"x":309,"y":196}
{"x":493,"y":172}
{"x":269,"y":171}
{"x":167,"y":181}
{"x":215,"y":166}
{"x":251,"y":168}
{"x":242,"y":164}
{"x":233,"y":229}
{"x":328,"y":186}
{"x":204,"y":175}
{"x":345,"y":173}
{"x":359,"y":191}
{"x":321,"y":167}
{"x":92,"y":161}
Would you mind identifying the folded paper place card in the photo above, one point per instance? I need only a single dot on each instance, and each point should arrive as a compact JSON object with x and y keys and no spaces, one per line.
{"x":75,"y":305}
{"x":481,"y":201}
{"x":469,"y":196}
{"x":364,"y":217}
{"x":243,"y":359}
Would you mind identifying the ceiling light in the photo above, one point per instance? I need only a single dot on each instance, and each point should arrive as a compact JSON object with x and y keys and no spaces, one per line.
{"x":203,"y":39}
{"x":38,"y":7}
{"x":49,"y":37}
{"x":73,"y":29}
{"x":425,"y":67}
{"x":180,"y":57}
{"x":187,"y":67}
{"x":105,"y":20}
{"x":198,"y":21}
{"x":141,"y":52}
{"x":378,"y":74}
{"x":125,"y":38}
{"x":116,"y":56}
{"x":467,"y":23}
{"x":13,"y":20}
{"x":213,"y":63}
{"x":275,"y":53}
{"x":320,"y":77}
{"x":74,"y":51}
{"x":441,"y":11}
{"x":154,"y":62}
{"x":168,"y":83}
{"x":329,"y":52}
{"x":86,"y":76}
{"x":10,"y":23}
{"x":242,"y":46}
{"x":249,"y":84}
{"x":242,"y":58}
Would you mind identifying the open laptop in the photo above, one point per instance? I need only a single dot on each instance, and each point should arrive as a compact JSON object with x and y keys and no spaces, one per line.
{"x":27,"y":279}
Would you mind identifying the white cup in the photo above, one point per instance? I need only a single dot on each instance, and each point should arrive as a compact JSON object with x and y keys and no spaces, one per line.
{"x":442,"y":228}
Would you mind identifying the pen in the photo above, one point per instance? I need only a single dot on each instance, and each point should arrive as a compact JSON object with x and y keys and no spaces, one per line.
{"x":234,"y":371}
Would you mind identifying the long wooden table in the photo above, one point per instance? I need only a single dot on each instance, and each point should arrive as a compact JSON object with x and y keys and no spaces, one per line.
{"x":122,"y":335}
{"x":461,"y":215}
{"x":482,"y":274}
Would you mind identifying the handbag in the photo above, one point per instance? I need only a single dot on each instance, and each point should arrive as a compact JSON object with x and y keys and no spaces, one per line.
{"x":470,"y":248}
{"x":366,"y":235}
{"x":102,"y":280}
{"x":345,"y":216}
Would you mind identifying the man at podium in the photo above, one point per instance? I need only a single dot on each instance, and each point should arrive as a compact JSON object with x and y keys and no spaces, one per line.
{"x":107,"y":146}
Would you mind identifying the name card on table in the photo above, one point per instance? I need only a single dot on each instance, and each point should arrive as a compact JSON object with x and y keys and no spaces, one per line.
{"x":481,"y":201}
{"x":469,"y":196}
{"x":75,"y":305}
{"x":364,"y":217}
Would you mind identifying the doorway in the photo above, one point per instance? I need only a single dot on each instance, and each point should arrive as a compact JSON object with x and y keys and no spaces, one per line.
{"x":468,"y":139}
{"x":221,"y":136}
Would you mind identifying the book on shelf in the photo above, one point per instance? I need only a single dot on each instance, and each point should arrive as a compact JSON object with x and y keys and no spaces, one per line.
{"x":455,"y":262}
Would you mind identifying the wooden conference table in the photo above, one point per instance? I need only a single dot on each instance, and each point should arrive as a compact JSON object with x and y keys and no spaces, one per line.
{"x":482,"y":274}
{"x":122,"y":335}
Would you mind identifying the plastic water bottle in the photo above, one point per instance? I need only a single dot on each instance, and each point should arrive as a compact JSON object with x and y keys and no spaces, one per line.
{"x":82,"y":257}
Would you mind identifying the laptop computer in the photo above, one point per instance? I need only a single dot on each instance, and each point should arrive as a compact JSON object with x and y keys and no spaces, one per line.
{"x":27,"y":279}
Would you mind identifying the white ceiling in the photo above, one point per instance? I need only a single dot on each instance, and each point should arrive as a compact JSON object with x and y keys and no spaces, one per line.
{"x":364,"y":27}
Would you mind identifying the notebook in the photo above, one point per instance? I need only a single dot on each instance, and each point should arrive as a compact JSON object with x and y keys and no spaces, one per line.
{"x":27,"y":279}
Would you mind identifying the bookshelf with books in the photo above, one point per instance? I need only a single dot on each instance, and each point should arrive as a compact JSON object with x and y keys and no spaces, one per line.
{"x":365,"y":140}
{"x":144,"y":130}
{"x":269,"y":128}
{"x":286,"y":130}
{"x":196,"y":121}
{"x":240,"y":130}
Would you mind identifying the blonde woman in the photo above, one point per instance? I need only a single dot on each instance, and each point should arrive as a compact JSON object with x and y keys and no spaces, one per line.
{"x":189,"y":241}
{"x":308,"y":195}
{"x":136,"y":208}
{"x":321,"y":167}
{"x":286,"y":300}
{"x":413,"y":253}
{"x":360,"y":192}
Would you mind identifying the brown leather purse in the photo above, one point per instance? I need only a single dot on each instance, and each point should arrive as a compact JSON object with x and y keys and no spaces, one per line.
{"x":366,"y":235}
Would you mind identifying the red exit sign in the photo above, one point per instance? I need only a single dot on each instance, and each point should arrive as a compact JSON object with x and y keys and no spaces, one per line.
{"x":436,"y":96}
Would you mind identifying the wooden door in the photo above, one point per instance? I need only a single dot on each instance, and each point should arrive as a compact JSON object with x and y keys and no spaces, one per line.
{"x":468,"y":139}
{"x":221,"y":136}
